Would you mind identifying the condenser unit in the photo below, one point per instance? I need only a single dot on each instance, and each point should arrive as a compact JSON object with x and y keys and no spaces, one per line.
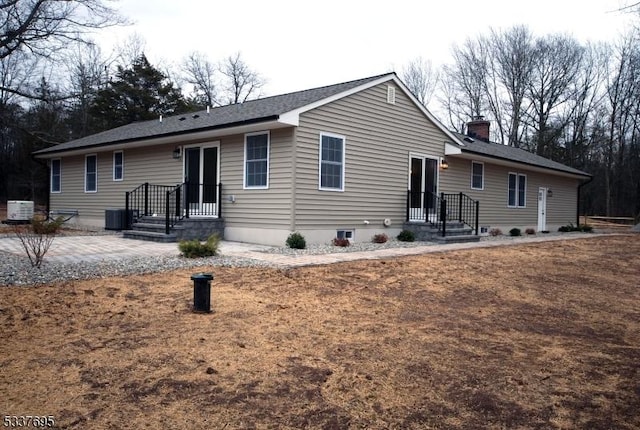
{"x":19,"y":210}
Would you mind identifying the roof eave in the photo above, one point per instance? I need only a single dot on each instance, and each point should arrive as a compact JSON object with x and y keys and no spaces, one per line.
{"x":469,"y":154}
{"x":181,"y":137}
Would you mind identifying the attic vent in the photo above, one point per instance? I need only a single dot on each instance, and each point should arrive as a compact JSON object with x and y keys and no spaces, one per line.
{"x":391,"y":95}
{"x":181,"y":118}
{"x":468,"y":139}
{"x":196,"y":116}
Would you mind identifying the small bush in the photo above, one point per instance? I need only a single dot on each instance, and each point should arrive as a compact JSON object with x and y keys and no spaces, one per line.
{"x":195,"y":248}
{"x":38,"y":237}
{"x":495,"y":232}
{"x":515,"y":232}
{"x":380,"y":238}
{"x":296,"y":241}
{"x":572,"y":227}
{"x":530,"y":231}
{"x":406,"y":236}
{"x":586,"y":228}
{"x":340,"y":242}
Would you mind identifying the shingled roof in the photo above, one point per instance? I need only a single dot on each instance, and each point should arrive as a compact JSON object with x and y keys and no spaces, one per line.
{"x":509,"y":153}
{"x":249,"y":112}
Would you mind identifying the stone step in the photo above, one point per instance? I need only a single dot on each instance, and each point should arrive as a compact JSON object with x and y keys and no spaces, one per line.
{"x":150,"y":236}
{"x":153,"y":227}
{"x":457,"y":239}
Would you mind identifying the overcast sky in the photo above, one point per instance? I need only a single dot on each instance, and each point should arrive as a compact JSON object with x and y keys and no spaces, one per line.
{"x":297,"y":45}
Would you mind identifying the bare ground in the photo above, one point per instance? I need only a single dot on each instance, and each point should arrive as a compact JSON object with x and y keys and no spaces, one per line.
{"x":539,"y":336}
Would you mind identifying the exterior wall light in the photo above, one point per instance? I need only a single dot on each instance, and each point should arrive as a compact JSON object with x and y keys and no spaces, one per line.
{"x":177,"y":153}
{"x":443,"y":164}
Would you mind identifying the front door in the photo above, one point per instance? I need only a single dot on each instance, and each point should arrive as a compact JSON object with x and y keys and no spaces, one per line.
{"x":423,"y":186}
{"x":542,"y":209}
{"x":201,"y":179}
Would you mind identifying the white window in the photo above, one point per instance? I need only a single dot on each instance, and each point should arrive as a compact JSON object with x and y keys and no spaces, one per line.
{"x":331,"y":169}
{"x":517,"y":196}
{"x":56,"y":184}
{"x":91,"y":174}
{"x":345,"y":234}
{"x":256,"y":160}
{"x":118,"y":166}
{"x":477,"y":175}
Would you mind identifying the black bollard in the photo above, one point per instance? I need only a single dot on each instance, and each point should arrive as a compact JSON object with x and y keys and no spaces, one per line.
{"x":202,"y":292}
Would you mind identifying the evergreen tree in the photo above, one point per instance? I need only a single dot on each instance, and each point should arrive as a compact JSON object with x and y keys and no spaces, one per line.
{"x":138,"y":93}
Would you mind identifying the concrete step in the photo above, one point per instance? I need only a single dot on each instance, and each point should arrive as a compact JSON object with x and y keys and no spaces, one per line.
{"x":150,"y":236}
{"x":153,"y":227}
{"x":457,"y":239}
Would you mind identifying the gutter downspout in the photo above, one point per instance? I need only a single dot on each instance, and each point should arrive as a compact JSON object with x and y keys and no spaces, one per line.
{"x":578,"y":202}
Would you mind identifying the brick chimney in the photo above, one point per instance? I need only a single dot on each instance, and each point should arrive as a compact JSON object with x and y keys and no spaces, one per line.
{"x":478,"y":128}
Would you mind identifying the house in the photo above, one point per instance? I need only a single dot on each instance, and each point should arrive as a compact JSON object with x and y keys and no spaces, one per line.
{"x":349,"y":160}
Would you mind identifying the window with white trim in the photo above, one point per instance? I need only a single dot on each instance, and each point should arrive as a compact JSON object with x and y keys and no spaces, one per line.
{"x":118,"y":166}
{"x":331,"y":169}
{"x":517,"y":196}
{"x":91,"y":174}
{"x":56,"y":175}
{"x":256,"y":160}
{"x":477,"y":175}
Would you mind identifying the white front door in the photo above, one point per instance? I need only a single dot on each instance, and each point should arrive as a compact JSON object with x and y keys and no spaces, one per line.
{"x":542,"y":209}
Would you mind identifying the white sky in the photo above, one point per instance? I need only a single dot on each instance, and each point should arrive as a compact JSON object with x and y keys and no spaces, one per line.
{"x":297,"y":45}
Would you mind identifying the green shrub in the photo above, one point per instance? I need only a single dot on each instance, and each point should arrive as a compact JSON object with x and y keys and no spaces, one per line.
{"x":530,"y":231}
{"x":380,"y":238}
{"x":406,"y":236}
{"x":572,"y":227}
{"x":195,"y":248}
{"x":495,"y":232}
{"x":515,"y":232}
{"x":341,"y":242}
{"x":296,"y":241}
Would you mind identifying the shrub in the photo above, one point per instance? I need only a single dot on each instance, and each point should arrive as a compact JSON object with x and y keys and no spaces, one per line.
{"x":406,"y":236}
{"x":586,"y":228}
{"x":37,"y":237}
{"x":195,"y":248}
{"x":296,"y":241}
{"x":380,"y":238}
{"x":572,"y":227}
{"x":515,"y":232}
{"x":495,"y":232}
{"x":340,"y":242}
{"x":530,"y":231}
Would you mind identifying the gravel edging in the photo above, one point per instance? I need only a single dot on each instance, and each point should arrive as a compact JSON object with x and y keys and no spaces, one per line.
{"x":17,"y":270}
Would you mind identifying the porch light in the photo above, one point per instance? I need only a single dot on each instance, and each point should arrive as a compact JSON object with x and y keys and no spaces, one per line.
{"x":177,"y":153}
{"x":443,"y":164}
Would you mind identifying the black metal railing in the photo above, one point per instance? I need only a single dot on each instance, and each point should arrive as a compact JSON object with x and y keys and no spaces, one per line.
{"x":440,"y":209}
{"x":173,"y":202}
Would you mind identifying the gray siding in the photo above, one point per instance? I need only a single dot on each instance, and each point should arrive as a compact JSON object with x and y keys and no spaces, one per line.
{"x":140,"y":165}
{"x":268,"y":208}
{"x":379,"y":137}
{"x":494,"y":210}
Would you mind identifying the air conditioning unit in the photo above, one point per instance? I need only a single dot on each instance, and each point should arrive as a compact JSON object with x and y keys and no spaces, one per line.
{"x":116,"y":219}
{"x":19,"y":210}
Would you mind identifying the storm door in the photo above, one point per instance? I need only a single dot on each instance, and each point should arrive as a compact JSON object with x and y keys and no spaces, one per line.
{"x":201,"y":180}
{"x":423,"y":186}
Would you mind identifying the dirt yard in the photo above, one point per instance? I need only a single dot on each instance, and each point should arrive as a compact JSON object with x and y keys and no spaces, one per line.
{"x":540,"y":336}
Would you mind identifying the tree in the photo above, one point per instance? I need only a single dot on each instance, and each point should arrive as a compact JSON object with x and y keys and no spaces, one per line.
{"x":43,"y":26}
{"x":557,"y":61}
{"x":138,"y":93}
{"x":239,"y":81}
{"x":200,"y":73}
{"x":421,"y":79}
